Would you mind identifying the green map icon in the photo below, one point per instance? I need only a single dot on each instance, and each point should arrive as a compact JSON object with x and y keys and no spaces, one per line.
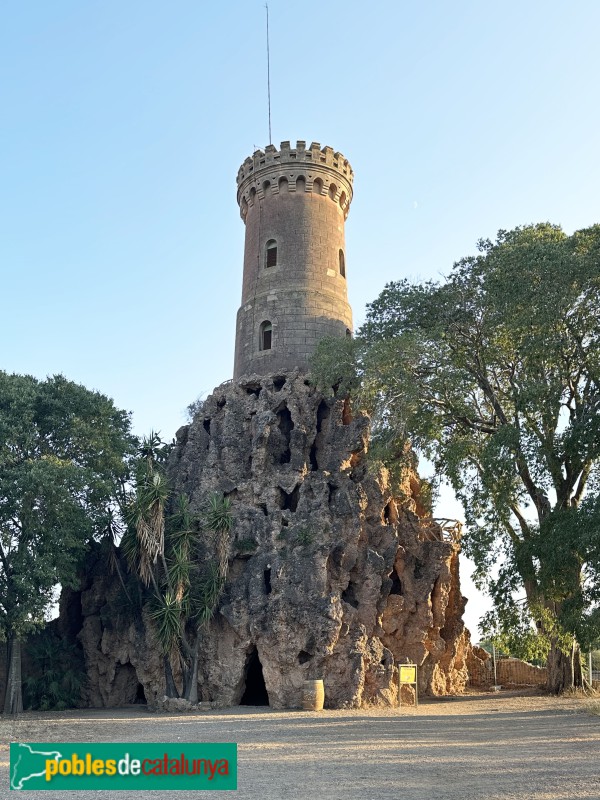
{"x":28,"y":764}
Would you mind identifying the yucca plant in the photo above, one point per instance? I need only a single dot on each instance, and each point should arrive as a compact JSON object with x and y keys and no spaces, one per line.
{"x":168,"y":553}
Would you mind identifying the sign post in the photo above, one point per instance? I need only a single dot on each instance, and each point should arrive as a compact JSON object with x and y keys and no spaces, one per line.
{"x":407,"y":676}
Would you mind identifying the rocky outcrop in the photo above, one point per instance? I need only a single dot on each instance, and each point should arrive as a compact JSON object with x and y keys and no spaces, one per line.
{"x":334,"y":572}
{"x":122,"y":659}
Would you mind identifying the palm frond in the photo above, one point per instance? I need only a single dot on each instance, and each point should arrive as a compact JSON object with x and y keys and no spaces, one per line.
{"x":182,"y":517}
{"x":217,"y":516}
{"x":167,"y":618}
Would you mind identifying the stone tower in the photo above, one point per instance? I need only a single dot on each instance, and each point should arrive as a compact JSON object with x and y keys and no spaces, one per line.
{"x":334,"y":569}
{"x":294,"y":202}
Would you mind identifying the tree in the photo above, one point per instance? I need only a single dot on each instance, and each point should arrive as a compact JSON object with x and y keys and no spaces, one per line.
{"x":181,"y":557}
{"x":495,"y":375}
{"x":63,"y":459}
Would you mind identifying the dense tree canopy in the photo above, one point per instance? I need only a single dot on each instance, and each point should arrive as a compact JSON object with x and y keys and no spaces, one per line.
{"x":495,"y":375}
{"x":63,"y":461}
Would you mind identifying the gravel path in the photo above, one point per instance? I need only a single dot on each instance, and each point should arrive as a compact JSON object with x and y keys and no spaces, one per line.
{"x":478,"y":746}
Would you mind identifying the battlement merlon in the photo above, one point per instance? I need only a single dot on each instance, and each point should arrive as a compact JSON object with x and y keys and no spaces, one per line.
{"x":270,"y":165}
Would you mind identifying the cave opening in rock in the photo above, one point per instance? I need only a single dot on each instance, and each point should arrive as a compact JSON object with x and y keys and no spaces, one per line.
{"x":390,"y":515}
{"x":286,"y":426}
{"x":125,"y":685}
{"x":140,"y":695}
{"x":255,"y":691}
{"x":331,"y":492}
{"x":323,"y":412}
{"x":396,"y":583}
{"x":267,"y":579}
{"x":314,"y":463}
{"x":289,"y":502}
{"x":349,"y":595}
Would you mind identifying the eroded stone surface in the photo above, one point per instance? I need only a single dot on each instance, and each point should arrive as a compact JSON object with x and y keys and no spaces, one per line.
{"x":332,"y":574}
{"x":331,"y":577}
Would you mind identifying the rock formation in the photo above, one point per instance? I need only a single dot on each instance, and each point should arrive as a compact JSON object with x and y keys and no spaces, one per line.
{"x":333,"y":574}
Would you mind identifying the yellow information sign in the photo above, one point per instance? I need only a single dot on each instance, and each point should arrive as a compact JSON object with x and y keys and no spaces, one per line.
{"x":408,"y":674}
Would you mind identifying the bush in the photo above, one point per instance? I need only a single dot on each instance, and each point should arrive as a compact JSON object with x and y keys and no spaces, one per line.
{"x":58,"y":675}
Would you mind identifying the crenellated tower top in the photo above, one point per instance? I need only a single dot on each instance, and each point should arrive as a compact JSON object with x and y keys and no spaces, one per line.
{"x":294,"y":202}
{"x":321,"y":170}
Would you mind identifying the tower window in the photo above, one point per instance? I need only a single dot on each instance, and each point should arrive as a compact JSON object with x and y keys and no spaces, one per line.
{"x":266,"y":335}
{"x":342,"y":264}
{"x":271,"y":259}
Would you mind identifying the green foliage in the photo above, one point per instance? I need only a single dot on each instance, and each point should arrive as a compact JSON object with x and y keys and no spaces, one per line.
{"x":63,"y":466}
{"x":168,"y":615}
{"x":305,"y":536}
{"x":217,"y":523}
{"x":58,"y":675}
{"x":513,"y":634}
{"x":210,"y":588}
{"x":246,"y":545}
{"x":494,"y":374}
{"x":63,"y":458}
{"x":217,"y":514}
{"x":196,"y":407}
{"x":181,"y":555}
{"x":335,"y":366}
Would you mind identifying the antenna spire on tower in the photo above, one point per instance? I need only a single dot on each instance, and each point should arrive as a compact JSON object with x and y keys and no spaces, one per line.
{"x":268,"y":74}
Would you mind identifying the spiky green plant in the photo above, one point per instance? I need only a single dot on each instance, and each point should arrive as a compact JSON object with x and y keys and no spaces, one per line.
{"x":57,"y":673}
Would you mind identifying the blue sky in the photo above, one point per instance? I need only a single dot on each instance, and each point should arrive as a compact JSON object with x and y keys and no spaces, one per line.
{"x":124,"y":124}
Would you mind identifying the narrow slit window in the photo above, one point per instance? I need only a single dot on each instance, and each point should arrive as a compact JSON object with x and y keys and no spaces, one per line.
{"x":266,"y":336}
{"x":342,"y":264}
{"x":271,"y":260}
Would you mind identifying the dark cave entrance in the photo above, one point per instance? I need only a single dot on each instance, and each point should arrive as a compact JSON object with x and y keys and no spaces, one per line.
{"x":140,"y":695}
{"x":255,"y":692}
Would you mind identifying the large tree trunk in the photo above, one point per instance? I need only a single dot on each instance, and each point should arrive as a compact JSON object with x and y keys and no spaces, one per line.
{"x":13,"y":700}
{"x":170,"y":688}
{"x":192,"y":687}
{"x":564,"y":668}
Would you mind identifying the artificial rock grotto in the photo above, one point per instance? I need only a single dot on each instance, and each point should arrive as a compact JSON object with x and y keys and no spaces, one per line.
{"x":334,"y":572}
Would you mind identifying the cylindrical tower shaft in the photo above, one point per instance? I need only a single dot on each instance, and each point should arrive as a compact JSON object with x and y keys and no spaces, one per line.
{"x":294,"y":203}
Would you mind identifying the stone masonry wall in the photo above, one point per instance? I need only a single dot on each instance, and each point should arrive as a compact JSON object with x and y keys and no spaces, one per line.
{"x":299,"y":199}
{"x":509,"y":671}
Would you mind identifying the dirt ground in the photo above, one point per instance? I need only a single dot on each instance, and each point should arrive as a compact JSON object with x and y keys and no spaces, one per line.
{"x":477,"y":746}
